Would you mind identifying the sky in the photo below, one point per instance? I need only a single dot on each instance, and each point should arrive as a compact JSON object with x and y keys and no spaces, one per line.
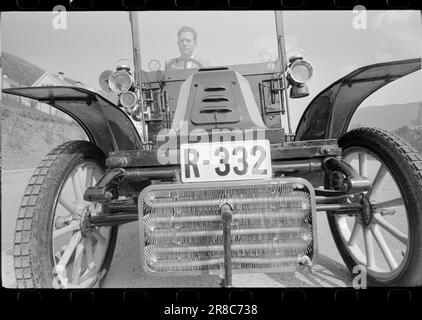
{"x":93,"y":41}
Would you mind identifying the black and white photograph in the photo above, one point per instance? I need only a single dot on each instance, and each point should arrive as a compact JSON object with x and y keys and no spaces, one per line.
{"x":219,"y":148}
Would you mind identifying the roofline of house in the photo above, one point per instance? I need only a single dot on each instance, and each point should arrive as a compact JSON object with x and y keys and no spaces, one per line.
{"x":39,"y":79}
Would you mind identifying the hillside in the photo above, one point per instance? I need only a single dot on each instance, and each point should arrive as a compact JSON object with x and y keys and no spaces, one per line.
{"x":20,"y":69}
{"x":390,"y":117}
{"x":28,"y":134}
{"x":411,"y":135}
{"x":26,"y":73}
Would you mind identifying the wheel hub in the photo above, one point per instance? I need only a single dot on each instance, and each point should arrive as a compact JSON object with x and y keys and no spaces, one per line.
{"x":366,"y":211}
{"x":86,"y":227}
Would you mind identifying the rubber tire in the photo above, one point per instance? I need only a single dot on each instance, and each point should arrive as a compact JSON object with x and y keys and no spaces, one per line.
{"x":405,"y":164}
{"x":33,"y":257}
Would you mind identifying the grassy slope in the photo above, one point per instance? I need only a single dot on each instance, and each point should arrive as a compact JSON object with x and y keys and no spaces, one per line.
{"x":27,"y":135}
{"x":390,"y":117}
{"x":20,"y":69}
{"x":412,"y":135}
{"x":403,"y":119}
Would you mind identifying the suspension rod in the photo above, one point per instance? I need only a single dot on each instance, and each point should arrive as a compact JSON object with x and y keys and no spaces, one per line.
{"x":113,"y":219}
{"x":341,"y":208}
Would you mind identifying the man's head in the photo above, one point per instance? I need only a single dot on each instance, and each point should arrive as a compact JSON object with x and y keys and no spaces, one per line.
{"x":186,"y":40}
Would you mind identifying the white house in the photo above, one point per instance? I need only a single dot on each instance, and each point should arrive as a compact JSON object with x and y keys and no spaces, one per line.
{"x":49,"y":79}
{"x":18,"y":72}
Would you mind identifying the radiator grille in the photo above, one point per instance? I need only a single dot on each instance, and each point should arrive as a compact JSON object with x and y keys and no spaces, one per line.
{"x":182,"y":227}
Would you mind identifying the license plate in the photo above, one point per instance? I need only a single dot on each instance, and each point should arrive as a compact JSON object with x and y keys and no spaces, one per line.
{"x":230,"y":160}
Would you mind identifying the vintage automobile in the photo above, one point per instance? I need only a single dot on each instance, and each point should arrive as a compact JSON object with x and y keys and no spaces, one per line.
{"x":205,"y":158}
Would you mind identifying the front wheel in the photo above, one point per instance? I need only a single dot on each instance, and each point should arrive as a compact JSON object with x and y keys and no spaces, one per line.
{"x":52,"y":246}
{"x":387,"y":239}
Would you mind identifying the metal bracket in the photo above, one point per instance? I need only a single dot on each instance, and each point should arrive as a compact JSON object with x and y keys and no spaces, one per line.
{"x":103,"y":190}
{"x":353,"y":182}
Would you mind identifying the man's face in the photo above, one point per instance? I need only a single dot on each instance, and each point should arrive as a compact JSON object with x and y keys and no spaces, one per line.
{"x":186,"y":44}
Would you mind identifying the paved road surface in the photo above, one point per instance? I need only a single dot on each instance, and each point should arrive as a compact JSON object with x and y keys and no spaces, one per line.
{"x":125,"y":270}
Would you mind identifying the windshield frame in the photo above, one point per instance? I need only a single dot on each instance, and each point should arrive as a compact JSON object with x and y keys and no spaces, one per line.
{"x":274,"y":66}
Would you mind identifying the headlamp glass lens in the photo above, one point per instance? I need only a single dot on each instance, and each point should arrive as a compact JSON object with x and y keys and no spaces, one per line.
{"x":128,"y":99}
{"x":120,"y":81}
{"x":301,"y":71}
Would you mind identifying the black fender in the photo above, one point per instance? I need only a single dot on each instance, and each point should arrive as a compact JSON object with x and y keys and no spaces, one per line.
{"x":329,"y":113}
{"x":105,"y":124}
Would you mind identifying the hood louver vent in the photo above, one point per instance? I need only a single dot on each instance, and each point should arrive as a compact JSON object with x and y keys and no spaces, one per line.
{"x":215,"y":99}
{"x":214,"y":89}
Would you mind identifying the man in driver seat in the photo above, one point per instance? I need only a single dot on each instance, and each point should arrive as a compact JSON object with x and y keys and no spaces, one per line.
{"x":187,"y":43}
